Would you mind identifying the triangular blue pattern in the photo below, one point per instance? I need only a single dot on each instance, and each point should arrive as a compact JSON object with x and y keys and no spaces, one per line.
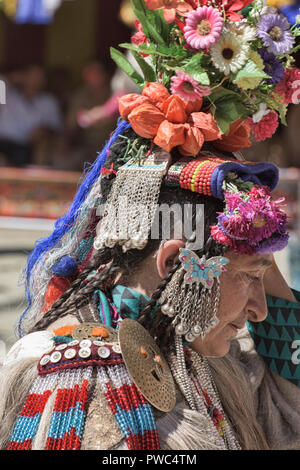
{"x":261,"y":348}
{"x":286,"y":371}
{"x":272,"y":365}
{"x":280,"y":320}
{"x":292,"y":319}
{"x":285,"y":335}
{"x":273,"y":350}
{"x":285,"y":353}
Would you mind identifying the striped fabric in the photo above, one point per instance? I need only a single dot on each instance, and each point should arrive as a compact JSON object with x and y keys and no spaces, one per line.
{"x":29,"y":419}
{"x":69,"y":413}
{"x":132,"y":412}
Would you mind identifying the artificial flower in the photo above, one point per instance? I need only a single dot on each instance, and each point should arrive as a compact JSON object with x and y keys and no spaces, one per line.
{"x":262,"y":111}
{"x":249,"y":83}
{"x":145,"y":120}
{"x":139,"y":37}
{"x":229,"y":7}
{"x":289,"y":87}
{"x":236,"y":139}
{"x":272,"y":66}
{"x":276,"y":243}
{"x":242,"y":29}
{"x":250,"y":220}
{"x":128,"y":102}
{"x":274,"y":30}
{"x":174,"y":110}
{"x":187,"y":88}
{"x":168,"y":120}
{"x":203,"y":27}
{"x":156,"y":93}
{"x":170,"y":8}
{"x":266,"y":127}
{"x":230,"y":53}
{"x":170,"y":135}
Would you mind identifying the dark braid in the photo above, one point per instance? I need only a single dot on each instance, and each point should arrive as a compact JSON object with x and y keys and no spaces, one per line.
{"x":117,"y":262}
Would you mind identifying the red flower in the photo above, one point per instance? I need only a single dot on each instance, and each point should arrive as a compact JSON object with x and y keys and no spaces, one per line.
{"x":231,"y":7}
{"x":266,"y":127}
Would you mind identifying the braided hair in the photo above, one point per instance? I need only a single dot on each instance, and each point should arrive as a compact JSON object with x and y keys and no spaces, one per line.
{"x":108,"y":264}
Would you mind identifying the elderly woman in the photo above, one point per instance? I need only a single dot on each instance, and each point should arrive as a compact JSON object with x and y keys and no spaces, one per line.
{"x":146,"y":331}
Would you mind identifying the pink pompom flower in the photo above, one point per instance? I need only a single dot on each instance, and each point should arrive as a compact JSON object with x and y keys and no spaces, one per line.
{"x":266,"y":127}
{"x":203,"y":27}
{"x":187,"y":88}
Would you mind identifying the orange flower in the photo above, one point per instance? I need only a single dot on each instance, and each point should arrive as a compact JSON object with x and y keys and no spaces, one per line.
{"x":156,"y":93}
{"x":174,"y":110}
{"x":145,"y":120}
{"x":193,"y":106}
{"x":194,"y":140}
{"x":208,"y":125}
{"x":169,"y":7}
{"x":170,"y":135}
{"x":128,"y":102}
{"x":236,"y":139}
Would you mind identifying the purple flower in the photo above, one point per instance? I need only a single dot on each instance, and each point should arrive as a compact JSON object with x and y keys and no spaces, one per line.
{"x":275,"y":243}
{"x":274,"y":30}
{"x":273,"y":67}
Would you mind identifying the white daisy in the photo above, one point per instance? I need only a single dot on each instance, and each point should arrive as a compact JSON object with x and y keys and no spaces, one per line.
{"x":230,"y":53}
{"x":242,"y":29}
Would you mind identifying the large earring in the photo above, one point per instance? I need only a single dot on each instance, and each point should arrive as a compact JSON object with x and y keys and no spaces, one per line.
{"x":192,"y":296}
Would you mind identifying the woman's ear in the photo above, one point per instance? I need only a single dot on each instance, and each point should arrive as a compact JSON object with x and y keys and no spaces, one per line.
{"x":166,"y":256}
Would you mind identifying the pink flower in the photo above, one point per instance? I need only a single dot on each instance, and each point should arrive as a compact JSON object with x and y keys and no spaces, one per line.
{"x":139,"y":37}
{"x":203,"y":27}
{"x":289,"y":87}
{"x":266,"y":127}
{"x":187,"y":88}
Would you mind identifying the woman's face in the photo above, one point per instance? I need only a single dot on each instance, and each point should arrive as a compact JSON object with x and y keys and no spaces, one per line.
{"x":242,"y":298}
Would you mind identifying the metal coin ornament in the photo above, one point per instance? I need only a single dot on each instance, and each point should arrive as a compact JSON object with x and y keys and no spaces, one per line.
{"x":146,"y":365}
{"x":91,"y":330}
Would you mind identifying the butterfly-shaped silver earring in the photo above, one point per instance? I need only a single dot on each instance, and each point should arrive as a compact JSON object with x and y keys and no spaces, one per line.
{"x":201,"y":270}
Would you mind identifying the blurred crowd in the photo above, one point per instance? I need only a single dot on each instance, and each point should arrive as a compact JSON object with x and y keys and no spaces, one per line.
{"x":44,"y":121}
{"x":47,"y":122}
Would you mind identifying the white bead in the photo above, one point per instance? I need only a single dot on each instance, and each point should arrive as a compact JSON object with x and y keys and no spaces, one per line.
{"x":103,"y":352}
{"x":84,"y":352}
{"x":196,"y":330}
{"x":180,"y":329}
{"x":116,"y":348}
{"x":73,"y":343}
{"x":55,"y":357}
{"x":45,"y":360}
{"x":85,"y":343}
{"x":70,"y":353}
{"x":60,"y":347}
{"x":190,"y":337}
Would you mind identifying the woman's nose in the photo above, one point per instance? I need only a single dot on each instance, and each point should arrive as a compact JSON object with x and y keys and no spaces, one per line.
{"x":256,"y":307}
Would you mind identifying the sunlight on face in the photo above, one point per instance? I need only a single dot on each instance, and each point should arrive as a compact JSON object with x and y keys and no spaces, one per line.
{"x":242,"y":298}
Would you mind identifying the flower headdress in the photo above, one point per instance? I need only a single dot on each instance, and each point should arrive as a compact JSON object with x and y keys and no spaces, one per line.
{"x":218,"y":71}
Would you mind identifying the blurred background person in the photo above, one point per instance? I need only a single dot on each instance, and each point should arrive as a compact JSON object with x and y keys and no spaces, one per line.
{"x":31,"y":120}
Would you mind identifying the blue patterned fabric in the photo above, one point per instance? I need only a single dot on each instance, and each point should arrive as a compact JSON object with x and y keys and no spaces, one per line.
{"x":277,"y":338}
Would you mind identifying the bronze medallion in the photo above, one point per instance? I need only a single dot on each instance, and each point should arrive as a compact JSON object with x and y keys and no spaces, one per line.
{"x":84,"y":331}
{"x":146,"y":365}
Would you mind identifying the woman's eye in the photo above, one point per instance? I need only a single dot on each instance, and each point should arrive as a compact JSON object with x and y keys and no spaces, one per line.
{"x":253,"y":278}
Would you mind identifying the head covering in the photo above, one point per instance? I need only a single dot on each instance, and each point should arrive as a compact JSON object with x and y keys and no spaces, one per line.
{"x":204,"y":83}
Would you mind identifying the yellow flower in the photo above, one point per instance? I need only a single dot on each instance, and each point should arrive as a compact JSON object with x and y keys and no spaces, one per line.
{"x":249,"y":83}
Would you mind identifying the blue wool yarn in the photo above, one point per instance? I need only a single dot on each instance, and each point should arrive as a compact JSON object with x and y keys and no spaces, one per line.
{"x":64,"y":224}
{"x":65,"y":267}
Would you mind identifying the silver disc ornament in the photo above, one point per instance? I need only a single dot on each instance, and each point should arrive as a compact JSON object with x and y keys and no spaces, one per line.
{"x":146,"y":365}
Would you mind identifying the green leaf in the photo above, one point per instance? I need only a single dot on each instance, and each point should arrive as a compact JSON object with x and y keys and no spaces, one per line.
{"x":126,"y":66}
{"x":220,"y":92}
{"x":173,"y":51}
{"x":196,"y":71}
{"x":149,"y":73}
{"x":250,"y":70}
{"x":228,"y":110}
{"x":150,"y":21}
